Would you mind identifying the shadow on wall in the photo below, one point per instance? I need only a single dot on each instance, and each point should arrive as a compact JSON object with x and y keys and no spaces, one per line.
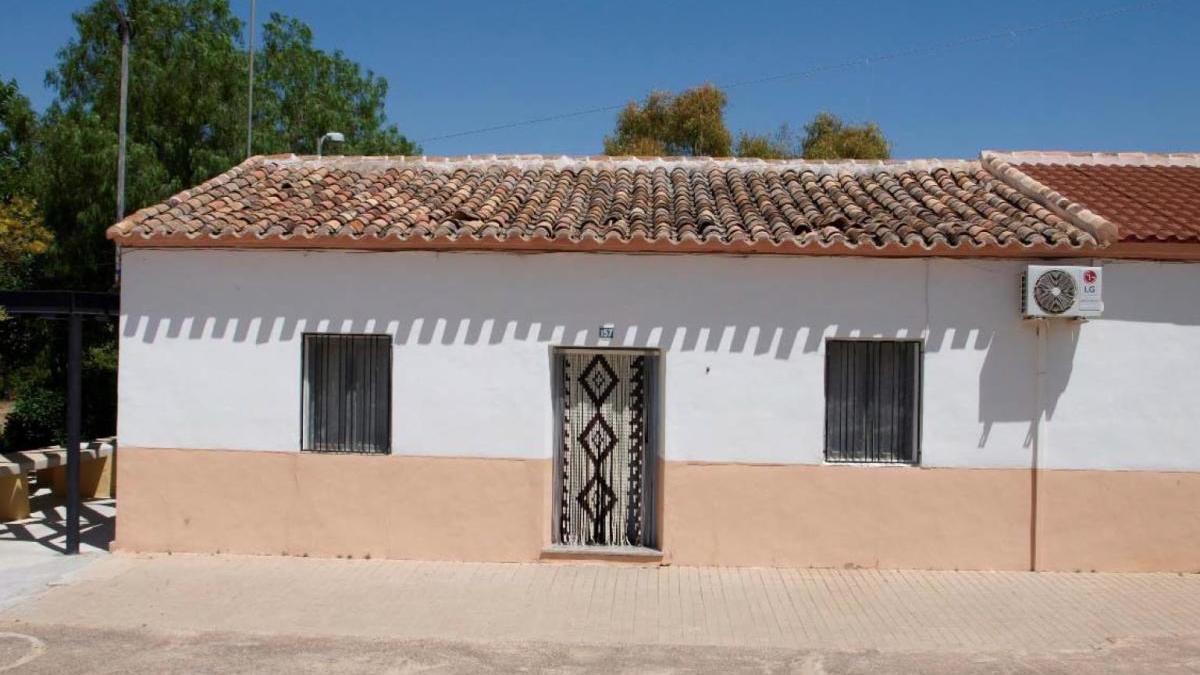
{"x":1008,"y":392}
{"x":744,"y":306}
{"x":756,"y":307}
{"x":1140,"y":292}
{"x":763,"y":339}
{"x":768,"y":307}
{"x":760,"y":308}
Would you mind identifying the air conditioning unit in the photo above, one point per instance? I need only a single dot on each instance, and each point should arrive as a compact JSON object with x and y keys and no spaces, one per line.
{"x":1061,"y":291}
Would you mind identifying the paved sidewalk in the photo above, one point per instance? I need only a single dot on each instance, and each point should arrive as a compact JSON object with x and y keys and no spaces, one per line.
{"x":31,"y":549}
{"x":835,"y":610}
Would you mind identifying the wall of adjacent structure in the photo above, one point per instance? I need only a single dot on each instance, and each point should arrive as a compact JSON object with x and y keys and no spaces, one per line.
{"x":210,"y":373}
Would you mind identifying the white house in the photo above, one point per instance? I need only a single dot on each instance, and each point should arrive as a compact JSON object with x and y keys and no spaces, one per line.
{"x":726,"y":362}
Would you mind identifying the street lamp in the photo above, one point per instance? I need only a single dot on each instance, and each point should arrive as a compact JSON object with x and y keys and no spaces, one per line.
{"x":332,"y":136}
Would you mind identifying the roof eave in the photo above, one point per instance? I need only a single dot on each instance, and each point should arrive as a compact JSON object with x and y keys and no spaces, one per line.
{"x":119,"y":231}
{"x":613,"y":245}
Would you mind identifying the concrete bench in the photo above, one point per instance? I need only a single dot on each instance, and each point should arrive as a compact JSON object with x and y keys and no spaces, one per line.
{"x":96,"y":475}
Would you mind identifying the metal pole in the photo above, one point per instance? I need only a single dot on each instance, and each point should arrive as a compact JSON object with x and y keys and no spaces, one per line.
{"x":1040,"y":440}
{"x":250,"y":95}
{"x":74,"y":356}
{"x":124,"y":30}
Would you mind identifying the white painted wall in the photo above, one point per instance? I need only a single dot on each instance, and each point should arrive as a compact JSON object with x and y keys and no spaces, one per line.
{"x":210,"y":350}
{"x":1132,"y":398}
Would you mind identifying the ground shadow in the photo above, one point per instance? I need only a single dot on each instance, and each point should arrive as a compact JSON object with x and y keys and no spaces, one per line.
{"x":46,"y":525}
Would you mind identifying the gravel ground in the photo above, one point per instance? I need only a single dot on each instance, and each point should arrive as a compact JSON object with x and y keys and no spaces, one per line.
{"x":61,"y":650}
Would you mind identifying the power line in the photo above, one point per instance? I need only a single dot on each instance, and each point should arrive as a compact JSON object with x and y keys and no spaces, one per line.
{"x":538,"y":120}
{"x":843,"y":65}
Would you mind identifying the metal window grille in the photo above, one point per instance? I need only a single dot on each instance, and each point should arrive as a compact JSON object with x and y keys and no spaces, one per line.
{"x":347,"y":393}
{"x":872,"y":401}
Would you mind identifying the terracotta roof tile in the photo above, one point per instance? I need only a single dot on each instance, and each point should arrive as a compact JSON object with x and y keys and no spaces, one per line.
{"x":609,"y":203}
{"x":1150,"y":198}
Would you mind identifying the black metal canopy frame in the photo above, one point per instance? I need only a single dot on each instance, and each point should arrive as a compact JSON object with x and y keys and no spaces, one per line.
{"x":72,"y":306}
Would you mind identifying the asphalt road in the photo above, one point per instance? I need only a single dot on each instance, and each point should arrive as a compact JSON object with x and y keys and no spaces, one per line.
{"x":62,"y":650}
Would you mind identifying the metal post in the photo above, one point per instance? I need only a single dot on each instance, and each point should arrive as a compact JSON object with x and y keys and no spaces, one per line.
{"x":72,"y":306}
{"x":1040,"y":440}
{"x":123,"y":29}
{"x":74,"y":385}
{"x":250,"y":96}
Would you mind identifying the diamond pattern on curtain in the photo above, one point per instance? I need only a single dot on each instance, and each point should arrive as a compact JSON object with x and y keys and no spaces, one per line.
{"x":603,"y":452}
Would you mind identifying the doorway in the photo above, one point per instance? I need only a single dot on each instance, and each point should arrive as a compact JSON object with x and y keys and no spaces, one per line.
{"x":606,"y":457}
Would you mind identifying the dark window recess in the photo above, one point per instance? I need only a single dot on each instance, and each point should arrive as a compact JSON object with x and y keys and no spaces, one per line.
{"x":872,"y":401}
{"x":347,"y":393}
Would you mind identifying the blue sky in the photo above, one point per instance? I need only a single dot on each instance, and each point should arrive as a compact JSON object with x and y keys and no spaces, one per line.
{"x":1125,"y":82}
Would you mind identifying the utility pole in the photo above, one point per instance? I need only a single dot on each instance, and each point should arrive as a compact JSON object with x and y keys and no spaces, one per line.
{"x":250,"y":95}
{"x":125,"y":31}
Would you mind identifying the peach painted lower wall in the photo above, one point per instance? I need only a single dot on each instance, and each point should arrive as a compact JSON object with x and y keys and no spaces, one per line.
{"x":712,"y":514}
{"x":1129,"y":521}
{"x":847,"y":516}
{"x":331,"y":505}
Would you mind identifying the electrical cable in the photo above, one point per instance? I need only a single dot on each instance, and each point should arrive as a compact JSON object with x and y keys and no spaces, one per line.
{"x":843,"y":65}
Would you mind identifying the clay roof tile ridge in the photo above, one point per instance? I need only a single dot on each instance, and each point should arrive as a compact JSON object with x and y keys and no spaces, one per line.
{"x":1099,"y":227}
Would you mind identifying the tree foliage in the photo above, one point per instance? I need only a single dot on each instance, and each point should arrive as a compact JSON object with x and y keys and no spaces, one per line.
{"x":302,"y":92}
{"x":187,"y":78}
{"x":17,"y":126}
{"x":22,"y":234}
{"x":186,"y":123}
{"x":187,"y":114}
{"x":693,"y":123}
{"x":690,"y":123}
{"x":827,"y":137}
{"x":23,"y":238}
{"x":780,"y":145}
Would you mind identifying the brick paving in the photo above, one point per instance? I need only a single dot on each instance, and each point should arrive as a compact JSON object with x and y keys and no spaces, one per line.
{"x":605,"y":605}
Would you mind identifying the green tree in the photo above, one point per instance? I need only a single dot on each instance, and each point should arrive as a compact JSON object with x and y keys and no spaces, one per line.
{"x":22,"y":234}
{"x":825,"y":137}
{"x":18,"y":124}
{"x":187,"y":123}
{"x":302,"y":92}
{"x":24,"y":240}
{"x":780,"y":145}
{"x":691,"y":124}
{"x":187,"y":114}
{"x":828,"y":137}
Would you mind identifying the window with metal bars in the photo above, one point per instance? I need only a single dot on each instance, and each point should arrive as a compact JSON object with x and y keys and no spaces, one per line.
{"x":347,"y":393}
{"x":872,"y":401}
